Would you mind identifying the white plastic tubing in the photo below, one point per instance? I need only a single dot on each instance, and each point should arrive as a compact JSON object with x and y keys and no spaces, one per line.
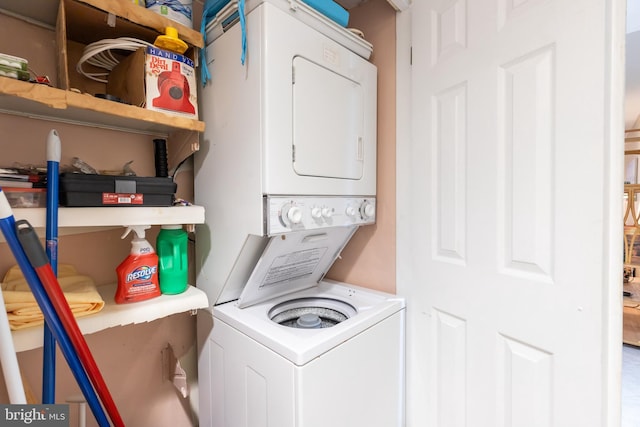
{"x":99,"y":54}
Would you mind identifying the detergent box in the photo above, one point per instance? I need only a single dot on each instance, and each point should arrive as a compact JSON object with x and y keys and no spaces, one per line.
{"x":158,"y":80}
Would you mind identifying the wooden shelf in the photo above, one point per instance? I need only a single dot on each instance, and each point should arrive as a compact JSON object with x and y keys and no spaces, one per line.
{"x":93,"y":18}
{"x":113,"y":314}
{"x":147,"y":18}
{"x":46,"y":13}
{"x":87,"y":21}
{"x":42,"y":101}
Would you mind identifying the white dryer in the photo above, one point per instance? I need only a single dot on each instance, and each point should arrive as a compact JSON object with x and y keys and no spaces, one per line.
{"x":287,"y":173}
{"x":298,"y":118}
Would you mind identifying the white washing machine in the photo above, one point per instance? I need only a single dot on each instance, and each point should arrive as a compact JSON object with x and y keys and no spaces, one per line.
{"x":287,"y":174}
{"x":324,"y":354}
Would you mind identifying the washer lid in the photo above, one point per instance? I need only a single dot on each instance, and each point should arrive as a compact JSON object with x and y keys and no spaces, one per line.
{"x":294,"y":261}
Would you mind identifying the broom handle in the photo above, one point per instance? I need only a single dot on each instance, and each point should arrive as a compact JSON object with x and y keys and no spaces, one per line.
{"x":49,"y":342}
{"x":9,"y":359}
{"x":40,"y":263}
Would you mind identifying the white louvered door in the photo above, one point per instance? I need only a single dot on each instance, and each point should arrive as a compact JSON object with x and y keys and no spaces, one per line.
{"x":510,"y":249}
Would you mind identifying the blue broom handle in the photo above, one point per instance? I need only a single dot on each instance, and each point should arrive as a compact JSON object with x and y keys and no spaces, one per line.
{"x":54,"y":153}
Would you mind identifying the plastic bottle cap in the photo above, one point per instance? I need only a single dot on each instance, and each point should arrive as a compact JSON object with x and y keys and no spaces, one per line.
{"x":171,"y":32}
{"x":170,"y":41}
{"x":171,"y":227}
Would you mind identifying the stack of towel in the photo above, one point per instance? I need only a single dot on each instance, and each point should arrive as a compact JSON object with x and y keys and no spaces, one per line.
{"x":23,"y":310}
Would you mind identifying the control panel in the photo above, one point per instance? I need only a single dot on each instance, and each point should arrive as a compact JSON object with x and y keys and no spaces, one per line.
{"x":291,"y":213}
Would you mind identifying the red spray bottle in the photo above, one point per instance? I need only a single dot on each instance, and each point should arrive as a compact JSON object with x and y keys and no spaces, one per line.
{"x":138,"y":273}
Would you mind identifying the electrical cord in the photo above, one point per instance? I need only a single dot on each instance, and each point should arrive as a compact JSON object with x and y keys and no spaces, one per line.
{"x":99,"y":54}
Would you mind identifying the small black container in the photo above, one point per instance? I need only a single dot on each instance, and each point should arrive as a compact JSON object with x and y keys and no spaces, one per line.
{"x":80,"y":190}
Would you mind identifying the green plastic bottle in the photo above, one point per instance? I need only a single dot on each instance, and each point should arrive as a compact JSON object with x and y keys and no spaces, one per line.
{"x":173,"y":266}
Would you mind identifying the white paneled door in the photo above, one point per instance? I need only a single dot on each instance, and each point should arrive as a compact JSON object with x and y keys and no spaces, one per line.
{"x":510,"y":233}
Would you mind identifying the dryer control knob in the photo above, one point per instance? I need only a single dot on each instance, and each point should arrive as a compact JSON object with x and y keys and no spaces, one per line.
{"x":327,"y":213}
{"x":351,"y":211}
{"x":367,"y":210}
{"x":316,"y":212}
{"x":294,"y":214}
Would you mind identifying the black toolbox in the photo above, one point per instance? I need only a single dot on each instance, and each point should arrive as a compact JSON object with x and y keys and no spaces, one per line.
{"x":81,"y":190}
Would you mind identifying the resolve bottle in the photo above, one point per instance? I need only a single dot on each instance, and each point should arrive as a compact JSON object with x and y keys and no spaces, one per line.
{"x":173,"y":265}
{"x":138,"y":272}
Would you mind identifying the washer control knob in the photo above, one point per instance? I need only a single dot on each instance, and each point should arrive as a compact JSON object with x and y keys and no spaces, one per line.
{"x":351,"y":211}
{"x":367,"y":210}
{"x":327,"y":213}
{"x":294,"y":214}
{"x":316,"y":212}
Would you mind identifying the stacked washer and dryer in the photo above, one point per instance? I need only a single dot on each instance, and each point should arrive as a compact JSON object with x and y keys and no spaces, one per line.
{"x":287,"y":174}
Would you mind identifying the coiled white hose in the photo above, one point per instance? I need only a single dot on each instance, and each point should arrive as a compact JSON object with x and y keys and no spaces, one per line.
{"x":99,"y":55}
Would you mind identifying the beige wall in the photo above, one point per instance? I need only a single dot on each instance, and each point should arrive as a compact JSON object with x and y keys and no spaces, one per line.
{"x":130,"y":357}
{"x":370,"y":258}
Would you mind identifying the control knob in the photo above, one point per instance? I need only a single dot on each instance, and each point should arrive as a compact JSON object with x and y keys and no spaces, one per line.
{"x":294,"y":214}
{"x":327,"y":212}
{"x":316,"y":212}
{"x":351,"y":211}
{"x":367,"y":210}
{"x":290,"y":215}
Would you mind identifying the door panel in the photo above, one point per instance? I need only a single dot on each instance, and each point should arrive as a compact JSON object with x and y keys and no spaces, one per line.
{"x":506,"y":186}
{"x":525,"y":165}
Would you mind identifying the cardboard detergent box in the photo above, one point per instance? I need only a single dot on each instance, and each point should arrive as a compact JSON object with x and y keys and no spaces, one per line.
{"x":157,"y":80}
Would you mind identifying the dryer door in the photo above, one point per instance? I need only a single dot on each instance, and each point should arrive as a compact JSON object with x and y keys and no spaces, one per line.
{"x":328,"y":122}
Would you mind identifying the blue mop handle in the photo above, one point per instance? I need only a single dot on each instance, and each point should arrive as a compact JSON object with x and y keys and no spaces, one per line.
{"x":49,"y":343}
{"x":53,"y":169}
{"x":8,"y":228}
